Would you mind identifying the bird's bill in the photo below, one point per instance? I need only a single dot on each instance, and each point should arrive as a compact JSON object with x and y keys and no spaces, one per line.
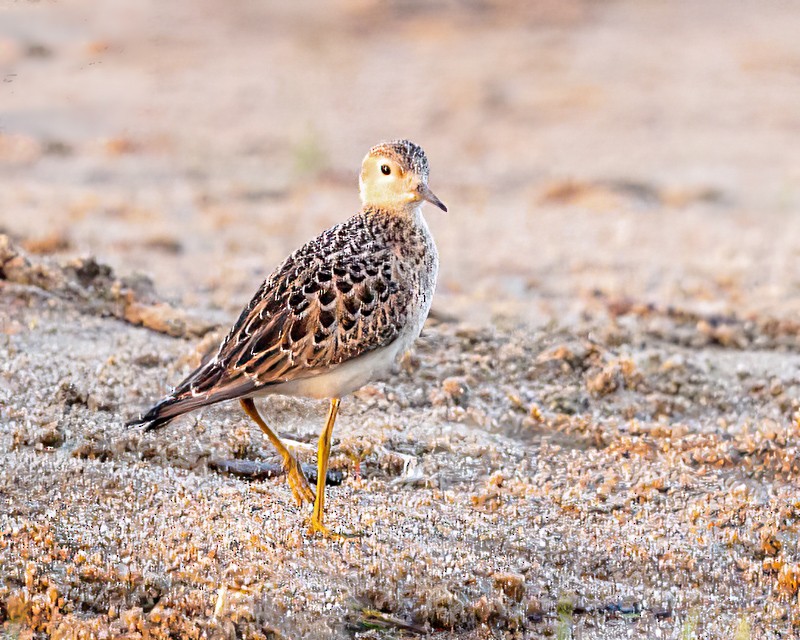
{"x":426,"y":194}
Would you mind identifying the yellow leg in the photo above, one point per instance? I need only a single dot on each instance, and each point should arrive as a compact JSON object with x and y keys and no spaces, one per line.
{"x":323,"y":453}
{"x":301,"y":490}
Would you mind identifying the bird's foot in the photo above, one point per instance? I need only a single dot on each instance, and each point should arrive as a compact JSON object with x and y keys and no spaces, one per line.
{"x":301,"y":489}
{"x":315,"y":526}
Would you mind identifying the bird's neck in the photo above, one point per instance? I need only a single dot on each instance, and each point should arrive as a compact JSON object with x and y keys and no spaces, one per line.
{"x":410,"y":211}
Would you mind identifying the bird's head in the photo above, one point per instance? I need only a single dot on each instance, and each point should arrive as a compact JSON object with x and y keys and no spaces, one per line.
{"x":395,"y":175}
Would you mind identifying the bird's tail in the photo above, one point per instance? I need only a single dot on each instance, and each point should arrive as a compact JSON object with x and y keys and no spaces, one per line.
{"x":207,"y":385}
{"x":167,"y":409}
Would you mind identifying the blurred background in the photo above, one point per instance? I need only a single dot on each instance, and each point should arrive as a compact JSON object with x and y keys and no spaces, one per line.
{"x":587,"y":150}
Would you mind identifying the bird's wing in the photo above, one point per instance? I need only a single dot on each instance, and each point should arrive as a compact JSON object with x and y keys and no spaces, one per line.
{"x":336,"y":298}
{"x":344,"y":294}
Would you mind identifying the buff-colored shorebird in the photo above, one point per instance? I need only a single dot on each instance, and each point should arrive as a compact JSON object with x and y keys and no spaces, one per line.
{"x":333,"y":316}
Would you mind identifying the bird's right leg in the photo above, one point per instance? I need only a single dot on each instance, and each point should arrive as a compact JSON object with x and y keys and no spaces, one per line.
{"x":300,"y":487}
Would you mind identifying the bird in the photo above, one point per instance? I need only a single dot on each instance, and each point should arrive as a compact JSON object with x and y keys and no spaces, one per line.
{"x":333,"y":316}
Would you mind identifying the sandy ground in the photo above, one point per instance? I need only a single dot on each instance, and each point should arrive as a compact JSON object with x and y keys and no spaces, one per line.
{"x":596,"y":435}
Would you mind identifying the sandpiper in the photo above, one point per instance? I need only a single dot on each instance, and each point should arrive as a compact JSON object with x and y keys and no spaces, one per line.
{"x":333,"y":316}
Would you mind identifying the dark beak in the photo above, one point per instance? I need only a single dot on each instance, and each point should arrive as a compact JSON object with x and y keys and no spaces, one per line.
{"x":426,"y":194}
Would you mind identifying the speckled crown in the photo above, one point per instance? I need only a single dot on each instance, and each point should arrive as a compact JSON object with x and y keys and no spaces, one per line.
{"x":407,"y":154}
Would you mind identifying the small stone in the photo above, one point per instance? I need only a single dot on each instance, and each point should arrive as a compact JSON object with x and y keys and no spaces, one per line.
{"x":131,"y":617}
{"x":512,"y":584}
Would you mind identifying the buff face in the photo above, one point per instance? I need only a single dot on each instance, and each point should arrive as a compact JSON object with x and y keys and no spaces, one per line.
{"x":396,"y":176}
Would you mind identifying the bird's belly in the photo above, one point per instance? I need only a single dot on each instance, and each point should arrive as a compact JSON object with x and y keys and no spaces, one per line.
{"x":344,"y":378}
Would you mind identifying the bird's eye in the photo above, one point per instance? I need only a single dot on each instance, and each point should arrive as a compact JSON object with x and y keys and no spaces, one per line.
{"x":385,"y":170}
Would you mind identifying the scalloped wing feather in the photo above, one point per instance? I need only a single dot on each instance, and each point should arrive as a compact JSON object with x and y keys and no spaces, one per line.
{"x":340,"y":296}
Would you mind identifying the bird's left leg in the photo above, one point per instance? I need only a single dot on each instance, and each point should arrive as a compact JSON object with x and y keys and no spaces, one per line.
{"x":323,"y":453}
